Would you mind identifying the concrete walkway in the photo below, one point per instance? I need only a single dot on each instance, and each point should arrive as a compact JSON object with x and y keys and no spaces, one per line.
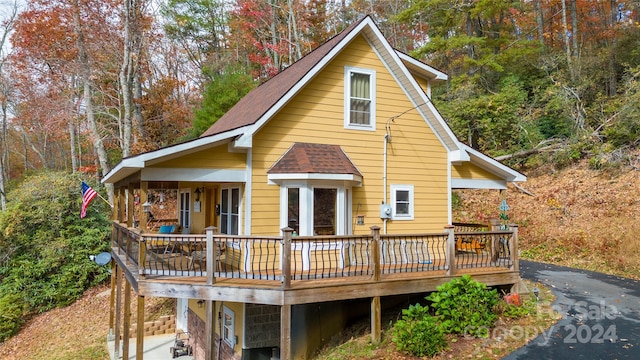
{"x":156,"y":347}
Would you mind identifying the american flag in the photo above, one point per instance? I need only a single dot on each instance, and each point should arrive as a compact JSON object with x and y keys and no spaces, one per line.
{"x":88,"y":194}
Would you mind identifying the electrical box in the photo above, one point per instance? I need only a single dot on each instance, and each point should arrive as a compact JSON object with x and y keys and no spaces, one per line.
{"x":385,"y":211}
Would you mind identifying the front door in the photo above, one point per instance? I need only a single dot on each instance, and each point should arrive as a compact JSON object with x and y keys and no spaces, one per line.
{"x":230,"y":211}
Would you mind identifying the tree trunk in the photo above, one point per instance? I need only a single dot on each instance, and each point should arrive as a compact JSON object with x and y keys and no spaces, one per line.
{"x":125,"y":81}
{"x":72,"y":146}
{"x":540,"y":20}
{"x":85,"y":72}
{"x":574,"y":29}
{"x":296,"y":37}
{"x":567,"y":46}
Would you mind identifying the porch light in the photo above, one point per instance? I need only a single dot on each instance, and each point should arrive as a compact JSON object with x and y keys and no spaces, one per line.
{"x":146,"y":207}
{"x":198,"y":192}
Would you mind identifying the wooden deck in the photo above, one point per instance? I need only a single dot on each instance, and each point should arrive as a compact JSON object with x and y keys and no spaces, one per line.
{"x":288,"y":271}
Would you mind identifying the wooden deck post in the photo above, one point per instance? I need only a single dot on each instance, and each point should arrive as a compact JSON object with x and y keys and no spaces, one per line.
{"x":122,"y":205}
{"x":116,"y":343}
{"x":127,"y":320}
{"x":212,"y":258}
{"x":375,"y":251}
{"x":140,"y":329}
{"x":451,"y":250}
{"x":130,"y":206}
{"x":286,"y":258}
{"x":115,"y":210}
{"x":144,"y":217}
{"x":494,"y":225}
{"x":285,"y":332}
{"x":142,"y":247}
{"x":513,"y":248}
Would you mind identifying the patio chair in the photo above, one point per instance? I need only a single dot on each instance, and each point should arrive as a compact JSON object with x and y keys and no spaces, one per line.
{"x":200,"y":257}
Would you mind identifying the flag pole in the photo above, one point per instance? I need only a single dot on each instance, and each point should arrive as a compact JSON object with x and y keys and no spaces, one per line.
{"x":105,"y":200}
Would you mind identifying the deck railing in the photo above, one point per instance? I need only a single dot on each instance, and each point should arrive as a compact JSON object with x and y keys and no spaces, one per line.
{"x":287,"y":258}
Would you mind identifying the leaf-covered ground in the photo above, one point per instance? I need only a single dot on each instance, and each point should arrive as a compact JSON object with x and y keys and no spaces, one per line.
{"x":577,"y":217}
{"x":78,"y":331}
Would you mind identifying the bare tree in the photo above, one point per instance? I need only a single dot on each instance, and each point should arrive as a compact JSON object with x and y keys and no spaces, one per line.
{"x":85,"y":76}
{"x":7,"y":22}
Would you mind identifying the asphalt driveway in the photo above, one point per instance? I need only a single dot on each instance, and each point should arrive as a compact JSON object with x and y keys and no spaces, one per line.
{"x":600,"y":315}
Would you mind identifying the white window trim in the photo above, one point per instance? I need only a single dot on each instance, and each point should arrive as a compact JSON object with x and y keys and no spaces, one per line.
{"x":394,"y":214}
{"x":231,"y":340}
{"x":347,"y":98}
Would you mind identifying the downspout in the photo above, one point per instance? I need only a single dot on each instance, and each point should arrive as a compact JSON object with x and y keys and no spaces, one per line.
{"x":220,"y":329}
{"x":387,"y":139}
{"x":384,"y":179}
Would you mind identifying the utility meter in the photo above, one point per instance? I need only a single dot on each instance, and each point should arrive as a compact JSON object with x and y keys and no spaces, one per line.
{"x":385,"y":211}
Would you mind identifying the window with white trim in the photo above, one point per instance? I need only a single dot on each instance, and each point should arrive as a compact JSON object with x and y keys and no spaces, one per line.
{"x":359,"y":103}
{"x":228,"y":326}
{"x":402,"y":202}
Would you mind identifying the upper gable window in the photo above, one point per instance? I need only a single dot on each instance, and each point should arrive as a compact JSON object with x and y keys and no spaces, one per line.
{"x":359,"y":102}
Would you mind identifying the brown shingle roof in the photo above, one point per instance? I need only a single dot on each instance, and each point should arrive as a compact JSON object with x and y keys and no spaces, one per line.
{"x":304,"y":158}
{"x":258,"y":101}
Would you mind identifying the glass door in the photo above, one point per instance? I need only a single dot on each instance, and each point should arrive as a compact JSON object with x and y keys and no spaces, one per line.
{"x":230,"y":211}
{"x":184,"y":215}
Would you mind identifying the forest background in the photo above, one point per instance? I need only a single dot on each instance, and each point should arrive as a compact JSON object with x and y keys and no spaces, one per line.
{"x":83,"y":83}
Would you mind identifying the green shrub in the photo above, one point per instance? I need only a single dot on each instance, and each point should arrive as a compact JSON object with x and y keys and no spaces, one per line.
{"x":464,"y":306}
{"x":11,"y":308}
{"x":418,"y":333}
{"x":46,"y":246}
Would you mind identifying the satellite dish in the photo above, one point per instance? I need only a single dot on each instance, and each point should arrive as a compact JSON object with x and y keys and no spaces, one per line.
{"x":103,"y":258}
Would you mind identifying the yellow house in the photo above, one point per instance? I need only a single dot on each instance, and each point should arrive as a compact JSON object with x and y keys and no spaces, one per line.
{"x":325,"y":165}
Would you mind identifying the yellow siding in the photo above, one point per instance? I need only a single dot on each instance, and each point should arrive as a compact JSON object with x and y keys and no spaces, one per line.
{"x":424,"y":83}
{"x":471,"y":171}
{"x":316,"y":115}
{"x":214,"y":158}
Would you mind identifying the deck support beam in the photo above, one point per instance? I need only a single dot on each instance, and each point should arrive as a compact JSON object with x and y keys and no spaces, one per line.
{"x":116,"y":342}
{"x":127,"y":320}
{"x":140,"y":329}
{"x":285,"y":332}
{"x":209,"y":330}
{"x":376,"y":315}
{"x":112,"y":297}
